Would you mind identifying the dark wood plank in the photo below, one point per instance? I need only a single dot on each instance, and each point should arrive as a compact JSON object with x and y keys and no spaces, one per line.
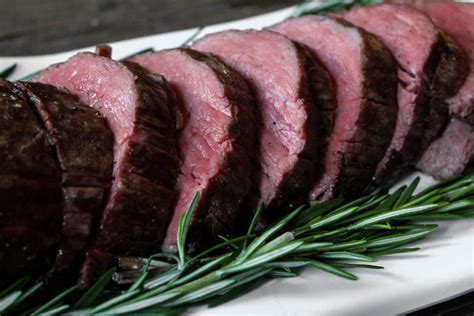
{"x":39,"y":27}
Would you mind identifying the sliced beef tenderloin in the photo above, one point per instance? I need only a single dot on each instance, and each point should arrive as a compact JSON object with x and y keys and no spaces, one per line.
{"x":275,"y":70}
{"x":83,"y":146}
{"x":216,"y":142}
{"x":450,"y":154}
{"x":138,"y":108}
{"x":456,"y":19}
{"x":30,"y":190}
{"x":363,"y":73}
{"x":431,"y":68}
{"x":324,"y":97}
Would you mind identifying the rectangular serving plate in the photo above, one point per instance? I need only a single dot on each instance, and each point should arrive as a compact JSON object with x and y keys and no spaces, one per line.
{"x":443,"y":268}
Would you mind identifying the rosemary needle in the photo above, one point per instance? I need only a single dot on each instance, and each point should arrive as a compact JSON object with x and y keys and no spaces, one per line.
{"x":5,"y":73}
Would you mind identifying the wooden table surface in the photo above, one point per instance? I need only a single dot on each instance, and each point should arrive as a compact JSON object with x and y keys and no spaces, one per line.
{"x":30,"y":27}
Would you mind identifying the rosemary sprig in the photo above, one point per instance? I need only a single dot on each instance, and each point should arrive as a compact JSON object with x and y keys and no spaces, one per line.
{"x":183,"y":227}
{"x":142,"y":51}
{"x":17,"y":285}
{"x":8,"y":300}
{"x":94,"y":291}
{"x":193,"y":36}
{"x":30,"y":76}
{"x":5,"y":73}
{"x":332,"y":237}
{"x":274,"y":244}
{"x":24,"y":298}
{"x":50,"y":305}
{"x":328,"y":6}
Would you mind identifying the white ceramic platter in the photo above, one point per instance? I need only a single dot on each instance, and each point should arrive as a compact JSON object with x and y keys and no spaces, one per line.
{"x":443,"y":268}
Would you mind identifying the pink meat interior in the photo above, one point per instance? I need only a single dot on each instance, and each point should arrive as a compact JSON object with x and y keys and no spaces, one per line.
{"x":269,"y":62}
{"x":103,"y":84}
{"x":204,"y":139}
{"x":409,"y":34}
{"x":339,"y":49}
{"x":108,"y":87}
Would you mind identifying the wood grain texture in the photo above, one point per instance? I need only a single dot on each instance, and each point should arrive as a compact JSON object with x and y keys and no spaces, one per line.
{"x":46,"y":26}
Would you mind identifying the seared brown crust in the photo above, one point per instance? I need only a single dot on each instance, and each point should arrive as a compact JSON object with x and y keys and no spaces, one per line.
{"x":137,"y":217}
{"x":83,"y":146}
{"x":26,"y":152}
{"x":222,"y":200}
{"x":130,"y":229}
{"x":444,"y":73}
{"x":293,"y":189}
{"x":134,"y":232}
{"x":450,"y":67}
{"x":375,"y":124}
{"x":145,"y":160}
{"x":30,"y":189}
{"x":380,"y":105}
{"x":447,"y":70}
{"x":322,"y":92}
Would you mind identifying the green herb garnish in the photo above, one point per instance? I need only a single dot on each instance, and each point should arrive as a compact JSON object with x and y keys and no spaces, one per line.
{"x":332,"y":237}
{"x":193,"y":36}
{"x":329,"y":6}
{"x":5,"y":73}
